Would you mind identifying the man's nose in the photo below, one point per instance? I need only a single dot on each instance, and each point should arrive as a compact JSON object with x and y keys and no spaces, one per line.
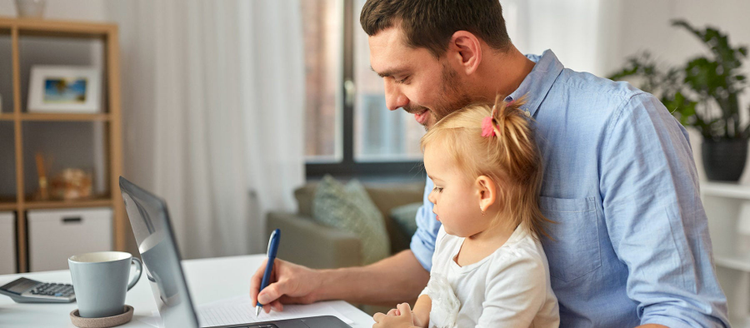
{"x":394,"y":99}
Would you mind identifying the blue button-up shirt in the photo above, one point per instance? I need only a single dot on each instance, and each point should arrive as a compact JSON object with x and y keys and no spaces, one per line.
{"x":630,"y":243}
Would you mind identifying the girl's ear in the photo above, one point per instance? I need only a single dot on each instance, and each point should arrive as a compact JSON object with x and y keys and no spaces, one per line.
{"x":486,"y":192}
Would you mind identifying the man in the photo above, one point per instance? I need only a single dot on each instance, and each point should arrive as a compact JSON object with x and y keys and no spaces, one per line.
{"x":630,"y":244}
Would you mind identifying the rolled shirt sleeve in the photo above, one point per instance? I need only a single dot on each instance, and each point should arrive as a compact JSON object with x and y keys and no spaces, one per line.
{"x":423,"y":240}
{"x":655,"y":218}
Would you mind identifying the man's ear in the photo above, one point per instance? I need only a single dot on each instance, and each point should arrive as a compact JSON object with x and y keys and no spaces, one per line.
{"x":465,"y":49}
{"x":486,"y":192}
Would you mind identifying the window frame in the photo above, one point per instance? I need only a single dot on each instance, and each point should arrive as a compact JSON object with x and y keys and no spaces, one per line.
{"x":348,"y":167}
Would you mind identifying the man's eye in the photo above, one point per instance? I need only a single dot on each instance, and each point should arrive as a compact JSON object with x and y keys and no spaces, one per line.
{"x":402,"y":80}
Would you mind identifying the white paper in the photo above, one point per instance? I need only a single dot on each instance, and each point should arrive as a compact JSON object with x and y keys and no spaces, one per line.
{"x":240,"y":310}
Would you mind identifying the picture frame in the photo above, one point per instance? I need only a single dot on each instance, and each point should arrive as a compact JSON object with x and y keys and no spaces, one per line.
{"x":65,"y":89}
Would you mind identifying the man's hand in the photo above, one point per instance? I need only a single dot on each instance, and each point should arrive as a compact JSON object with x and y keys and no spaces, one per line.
{"x":290,"y":283}
{"x":395,"y":279}
{"x":399,"y":317}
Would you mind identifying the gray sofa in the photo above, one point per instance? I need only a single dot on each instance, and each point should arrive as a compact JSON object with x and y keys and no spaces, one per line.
{"x":314,"y":245}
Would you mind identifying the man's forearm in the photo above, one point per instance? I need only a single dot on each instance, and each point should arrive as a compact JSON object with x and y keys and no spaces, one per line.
{"x":399,"y":278}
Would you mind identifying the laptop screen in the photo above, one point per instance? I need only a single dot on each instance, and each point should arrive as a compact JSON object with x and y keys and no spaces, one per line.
{"x":158,"y":247}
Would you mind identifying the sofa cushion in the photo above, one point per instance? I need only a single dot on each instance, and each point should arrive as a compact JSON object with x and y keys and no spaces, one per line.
{"x":405,"y":217}
{"x":351,"y":209}
{"x":388,"y":196}
{"x":304,"y":196}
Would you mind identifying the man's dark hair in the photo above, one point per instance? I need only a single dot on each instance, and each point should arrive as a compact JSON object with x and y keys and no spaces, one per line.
{"x":431,"y":23}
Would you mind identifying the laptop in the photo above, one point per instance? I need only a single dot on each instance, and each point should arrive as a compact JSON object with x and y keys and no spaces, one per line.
{"x":156,"y":243}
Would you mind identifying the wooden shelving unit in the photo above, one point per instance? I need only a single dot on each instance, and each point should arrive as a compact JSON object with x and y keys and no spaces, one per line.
{"x":108,"y":33}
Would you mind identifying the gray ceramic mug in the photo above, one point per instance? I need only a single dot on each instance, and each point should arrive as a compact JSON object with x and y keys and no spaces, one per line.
{"x":100,"y":281}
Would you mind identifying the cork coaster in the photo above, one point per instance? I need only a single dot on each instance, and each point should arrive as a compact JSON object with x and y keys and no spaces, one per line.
{"x":112,"y":321}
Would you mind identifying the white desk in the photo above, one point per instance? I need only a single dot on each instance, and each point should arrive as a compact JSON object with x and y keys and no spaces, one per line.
{"x":209,"y":280}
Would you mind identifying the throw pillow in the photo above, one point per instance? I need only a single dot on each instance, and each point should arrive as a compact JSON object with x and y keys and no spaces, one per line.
{"x":405,"y":217}
{"x":350,"y":208}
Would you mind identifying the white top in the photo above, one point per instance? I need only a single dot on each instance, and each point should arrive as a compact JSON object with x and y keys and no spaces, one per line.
{"x":509,"y":288}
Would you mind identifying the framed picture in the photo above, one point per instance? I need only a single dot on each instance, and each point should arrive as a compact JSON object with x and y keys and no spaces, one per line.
{"x":65,"y":89}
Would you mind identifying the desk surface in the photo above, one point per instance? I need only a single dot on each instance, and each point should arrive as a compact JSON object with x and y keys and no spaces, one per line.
{"x":209,"y":280}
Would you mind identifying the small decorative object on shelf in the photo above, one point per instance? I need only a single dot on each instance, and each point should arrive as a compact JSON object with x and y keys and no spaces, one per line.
{"x":31,"y":8}
{"x":64,"y":89}
{"x":71,"y":184}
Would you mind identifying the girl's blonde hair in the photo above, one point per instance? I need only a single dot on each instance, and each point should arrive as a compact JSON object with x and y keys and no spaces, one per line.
{"x":510,"y":157}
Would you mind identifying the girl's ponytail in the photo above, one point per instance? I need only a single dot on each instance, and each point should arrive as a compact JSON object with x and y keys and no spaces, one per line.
{"x":518,"y":155}
{"x":515,"y":142}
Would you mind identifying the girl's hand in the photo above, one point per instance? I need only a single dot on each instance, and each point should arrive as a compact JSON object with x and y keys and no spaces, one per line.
{"x":401,"y":316}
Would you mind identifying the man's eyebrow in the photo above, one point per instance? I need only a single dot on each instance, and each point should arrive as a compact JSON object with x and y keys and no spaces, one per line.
{"x":390,"y":72}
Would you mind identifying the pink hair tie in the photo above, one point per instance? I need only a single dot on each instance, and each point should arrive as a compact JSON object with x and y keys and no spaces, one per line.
{"x":487,"y":129}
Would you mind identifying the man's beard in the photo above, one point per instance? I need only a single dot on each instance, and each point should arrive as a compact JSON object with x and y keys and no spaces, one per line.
{"x":452,"y":99}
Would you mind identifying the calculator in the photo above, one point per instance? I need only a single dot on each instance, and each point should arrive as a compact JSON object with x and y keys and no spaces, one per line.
{"x":23,"y":290}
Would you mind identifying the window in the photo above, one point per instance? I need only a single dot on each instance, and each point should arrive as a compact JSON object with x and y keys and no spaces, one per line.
{"x":349,"y":130}
{"x":323,"y":35}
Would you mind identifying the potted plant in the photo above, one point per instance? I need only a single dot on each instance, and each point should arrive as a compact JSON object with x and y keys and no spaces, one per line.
{"x":703,"y":94}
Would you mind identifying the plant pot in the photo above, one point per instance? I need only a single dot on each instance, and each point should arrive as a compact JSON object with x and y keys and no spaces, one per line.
{"x":724,"y":160}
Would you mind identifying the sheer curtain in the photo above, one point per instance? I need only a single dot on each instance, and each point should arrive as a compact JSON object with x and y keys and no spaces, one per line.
{"x":213,"y":104}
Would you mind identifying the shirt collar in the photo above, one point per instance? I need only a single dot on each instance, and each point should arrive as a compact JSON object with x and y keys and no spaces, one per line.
{"x":539,"y":82}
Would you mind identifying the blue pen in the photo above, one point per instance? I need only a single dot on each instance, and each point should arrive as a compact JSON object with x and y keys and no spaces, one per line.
{"x":273,"y":246}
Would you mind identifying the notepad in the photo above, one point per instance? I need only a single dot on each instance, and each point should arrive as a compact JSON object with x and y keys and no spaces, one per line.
{"x":240,"y":310}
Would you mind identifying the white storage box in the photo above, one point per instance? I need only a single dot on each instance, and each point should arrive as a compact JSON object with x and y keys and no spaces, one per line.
{"x":56,"y":235}
{"x":7,"y":243}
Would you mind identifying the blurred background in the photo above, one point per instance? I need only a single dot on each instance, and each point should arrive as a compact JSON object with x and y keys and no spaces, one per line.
{"x":227,"y":107}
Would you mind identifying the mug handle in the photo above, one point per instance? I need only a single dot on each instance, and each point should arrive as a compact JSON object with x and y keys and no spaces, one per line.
{"x":140,"y":270}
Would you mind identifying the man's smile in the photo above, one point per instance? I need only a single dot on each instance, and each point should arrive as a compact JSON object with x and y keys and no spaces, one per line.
{"x":422,"y":116}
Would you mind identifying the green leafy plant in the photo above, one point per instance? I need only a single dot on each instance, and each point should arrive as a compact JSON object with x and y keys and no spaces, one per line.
{"x":692,"y":92}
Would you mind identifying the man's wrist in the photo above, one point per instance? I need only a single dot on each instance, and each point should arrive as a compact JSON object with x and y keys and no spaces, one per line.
{"x":326,"y":290}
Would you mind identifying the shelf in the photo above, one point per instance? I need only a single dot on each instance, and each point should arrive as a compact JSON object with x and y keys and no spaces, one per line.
{"x":736,"y":262}
{"x":68,"y":204}
{"x":724,"y":189}
{"x":55,"y":28}
{"x":63,"y":117}
{"x":57,"y":117}
{"x":7,"y":206}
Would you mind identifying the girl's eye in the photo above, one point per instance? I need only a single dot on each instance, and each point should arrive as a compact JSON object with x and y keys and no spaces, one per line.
{"x":438,"y":189}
